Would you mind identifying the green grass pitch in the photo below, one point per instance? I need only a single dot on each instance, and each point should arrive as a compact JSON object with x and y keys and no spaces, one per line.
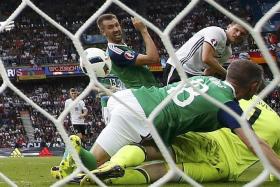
{"x":35,"y":172}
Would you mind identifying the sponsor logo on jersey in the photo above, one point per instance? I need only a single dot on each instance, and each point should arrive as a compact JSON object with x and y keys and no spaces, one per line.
{"x":214,"y":42}
{"x":128,"y":55}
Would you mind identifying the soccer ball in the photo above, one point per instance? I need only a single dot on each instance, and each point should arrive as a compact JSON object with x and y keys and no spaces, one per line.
{"x":100,"y":62}
{"x":55,"y":172}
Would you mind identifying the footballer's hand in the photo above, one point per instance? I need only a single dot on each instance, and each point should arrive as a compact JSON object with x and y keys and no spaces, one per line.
{"x":9,"y":26}
{"x":209,"y":72}
{"x":138,"y":24}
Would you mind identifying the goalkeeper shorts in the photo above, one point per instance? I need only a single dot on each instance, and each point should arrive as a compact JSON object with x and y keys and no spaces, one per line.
{"x":201,"y":157}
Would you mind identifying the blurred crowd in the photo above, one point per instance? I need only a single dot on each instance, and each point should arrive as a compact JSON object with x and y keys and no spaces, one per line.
{"x":50,"y":97}
{"x":35,"y":42}
{"x":273,"y":100}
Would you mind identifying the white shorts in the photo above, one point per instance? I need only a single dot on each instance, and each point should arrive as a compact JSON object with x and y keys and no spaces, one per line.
{"x":105,"y":114}
{"x":124,"y":126}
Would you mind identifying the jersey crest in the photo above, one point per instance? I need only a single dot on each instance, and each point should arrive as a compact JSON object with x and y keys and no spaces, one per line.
{"x":128,"y":55}
{"x":214,"y":42}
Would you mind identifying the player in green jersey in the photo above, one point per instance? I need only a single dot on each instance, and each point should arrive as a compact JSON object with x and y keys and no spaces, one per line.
{"x":214,"y":156}
{"x":127,"y":64}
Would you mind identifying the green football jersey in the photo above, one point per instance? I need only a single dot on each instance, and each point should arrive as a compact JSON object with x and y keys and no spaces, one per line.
{"x":188,"y":110}
{"x":123,"y":65}
{"x":266,"y":124}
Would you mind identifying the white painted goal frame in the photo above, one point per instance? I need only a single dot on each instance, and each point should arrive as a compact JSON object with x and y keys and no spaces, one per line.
{"x":164,"y":35}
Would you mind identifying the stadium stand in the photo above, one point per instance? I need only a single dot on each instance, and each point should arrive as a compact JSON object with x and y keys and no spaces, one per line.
{"x":50,"y":97}
{"x":34,"y":43}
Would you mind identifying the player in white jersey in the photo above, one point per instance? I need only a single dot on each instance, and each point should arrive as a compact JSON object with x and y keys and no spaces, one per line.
{"x":206,"y":51}
{"x":77,"y":113}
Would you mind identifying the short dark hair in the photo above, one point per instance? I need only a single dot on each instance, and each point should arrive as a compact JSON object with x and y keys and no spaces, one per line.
{"x":235,"y":23}
{"x":73,"y":90}
{"x":244,"y":72}
{"x":103,"y":17}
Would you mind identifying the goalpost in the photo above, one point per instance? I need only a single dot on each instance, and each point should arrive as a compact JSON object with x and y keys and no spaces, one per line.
{"x":164,"y":35}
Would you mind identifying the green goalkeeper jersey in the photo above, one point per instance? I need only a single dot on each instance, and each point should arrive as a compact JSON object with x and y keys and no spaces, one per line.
{"x":188,"y":110}
{"x":266,"y":124}
{"x":123,"y":65}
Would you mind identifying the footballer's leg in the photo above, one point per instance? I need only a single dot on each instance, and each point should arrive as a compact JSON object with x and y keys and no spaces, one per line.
{"x":135,"y":154}
{"x":121,"y":133}
{"x":117,"y":147}
{"x":201,"y":157}
{"x":67,"y":165}
{"x":146,"y":174}
{"x":127,"y":157}
{"x":206,"y":172}
{"x":197,"y":155}
{"x":132,"y":176}
{"x":123,"y":129}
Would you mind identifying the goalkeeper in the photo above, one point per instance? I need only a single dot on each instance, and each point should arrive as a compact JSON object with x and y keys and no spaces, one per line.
{"x":214,"y":156}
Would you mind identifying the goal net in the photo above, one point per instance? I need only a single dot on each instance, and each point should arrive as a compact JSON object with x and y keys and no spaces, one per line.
{"x":165,"y":35}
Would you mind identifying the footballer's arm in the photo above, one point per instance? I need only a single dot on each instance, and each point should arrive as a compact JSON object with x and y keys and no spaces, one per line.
{"x":151,"y":55}
{"x":233,"y":124}
{"x":208,"y":57}
{"x":268,"y":151}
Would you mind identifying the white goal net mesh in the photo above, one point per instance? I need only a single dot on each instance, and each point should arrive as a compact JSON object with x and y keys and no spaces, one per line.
{"x":165,"y":37}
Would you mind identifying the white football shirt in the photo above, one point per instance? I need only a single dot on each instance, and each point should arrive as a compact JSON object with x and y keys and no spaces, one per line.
{"x":190,"y":54}
{"x":76,"y":111}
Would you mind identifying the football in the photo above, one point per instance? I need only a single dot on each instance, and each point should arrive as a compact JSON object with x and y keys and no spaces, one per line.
{"x":55,"y":172}
{"x":100,"y":63}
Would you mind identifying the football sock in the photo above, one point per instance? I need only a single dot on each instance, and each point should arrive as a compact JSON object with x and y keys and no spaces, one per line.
{"x":129,"y":155}
{"x":132,"y":176}
{"x":88,"y":159}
